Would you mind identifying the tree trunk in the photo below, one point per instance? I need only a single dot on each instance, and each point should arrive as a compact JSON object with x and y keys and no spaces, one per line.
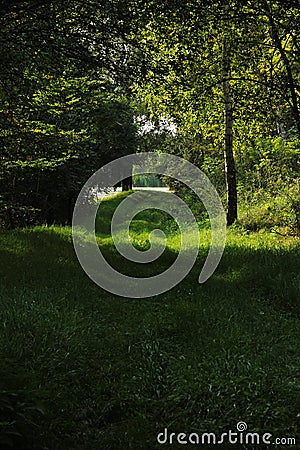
{"x":230,"y":172}
{"x":127,"y":184}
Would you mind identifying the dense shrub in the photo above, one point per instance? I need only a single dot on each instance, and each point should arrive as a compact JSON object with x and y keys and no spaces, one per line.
{"x":266,"y":164}
{"x":273,"y":211}
{"x":14,"y":215}
{"x":268,"y":184}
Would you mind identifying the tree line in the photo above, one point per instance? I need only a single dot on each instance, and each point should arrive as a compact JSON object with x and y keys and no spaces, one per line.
{"x":76,"y":75}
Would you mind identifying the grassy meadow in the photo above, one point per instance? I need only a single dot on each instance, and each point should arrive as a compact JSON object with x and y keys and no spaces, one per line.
{"x":84,"y":369}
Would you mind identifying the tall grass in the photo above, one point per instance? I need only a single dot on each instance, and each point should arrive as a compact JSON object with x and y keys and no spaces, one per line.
{"x":89,"y":370}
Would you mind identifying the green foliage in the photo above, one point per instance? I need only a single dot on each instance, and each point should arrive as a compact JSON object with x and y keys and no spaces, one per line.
{"x":76,"y":125}
{"x":184,"y":81}
{"x":64,"y":111}
{"x":66,"y":96}
{"x":147,"y":180}
{"x":280,"y":213}
{"x":13,"y":215}
{"x":268,"y":174}
{"x":268,"y":164}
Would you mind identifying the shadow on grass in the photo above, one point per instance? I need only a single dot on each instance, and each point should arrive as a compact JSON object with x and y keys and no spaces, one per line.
{"x":46,"y":256}
{"x":199,"y":357}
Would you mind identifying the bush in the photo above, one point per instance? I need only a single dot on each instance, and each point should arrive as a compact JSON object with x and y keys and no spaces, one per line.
{"x":267,"y":164}
{"x":16,"y":216}
{"x":147,"y":180}
{"x":268,"y":211}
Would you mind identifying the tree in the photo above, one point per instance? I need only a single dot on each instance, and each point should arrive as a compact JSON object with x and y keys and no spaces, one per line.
{"x":60,"y":120}
{"x":225,"y":72}
{"x":208,"y":59}
{"x":285,"y":41}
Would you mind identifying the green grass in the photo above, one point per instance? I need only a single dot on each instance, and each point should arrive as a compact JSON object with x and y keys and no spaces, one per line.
{"x":111,"y":372}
